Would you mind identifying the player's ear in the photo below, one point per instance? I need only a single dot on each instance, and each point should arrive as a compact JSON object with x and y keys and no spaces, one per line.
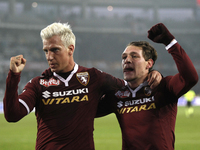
{"x":150,"y":63}
{"x":71,"y":49}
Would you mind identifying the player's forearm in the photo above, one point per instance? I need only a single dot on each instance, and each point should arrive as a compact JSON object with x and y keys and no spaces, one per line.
{"x":184,"y":65}
{"x":187,"y":76}
{"x":13,"y":109}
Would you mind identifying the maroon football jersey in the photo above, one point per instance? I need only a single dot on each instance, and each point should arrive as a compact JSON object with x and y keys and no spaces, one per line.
{"x":65,"y":108}
{"x":147,"y":118}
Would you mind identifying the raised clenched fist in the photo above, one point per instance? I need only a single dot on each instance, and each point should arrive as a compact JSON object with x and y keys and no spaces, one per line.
{"x":160,"y":34}
{"x":17,"y":63}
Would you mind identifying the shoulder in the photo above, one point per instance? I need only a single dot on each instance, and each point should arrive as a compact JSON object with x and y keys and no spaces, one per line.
{"x":43,"y":78}
{"x":47,"y":73}
{"x":81,"y":68}
{"x":91,"y":71}
{"x":104,"y":79}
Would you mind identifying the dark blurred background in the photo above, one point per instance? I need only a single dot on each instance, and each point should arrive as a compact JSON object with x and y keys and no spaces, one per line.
{"x":103,"y":28}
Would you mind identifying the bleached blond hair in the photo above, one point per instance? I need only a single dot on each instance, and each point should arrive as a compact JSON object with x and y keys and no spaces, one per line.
{"x":61,"y":29}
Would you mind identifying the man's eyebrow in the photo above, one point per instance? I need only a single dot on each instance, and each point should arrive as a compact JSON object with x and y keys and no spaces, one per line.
{"x":124,"y":54}
{"x":129,"y":53}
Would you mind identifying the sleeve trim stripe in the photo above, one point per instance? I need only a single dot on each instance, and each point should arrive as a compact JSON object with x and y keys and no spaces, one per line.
{"x":174,"y":41}
{"x":25,"y":105}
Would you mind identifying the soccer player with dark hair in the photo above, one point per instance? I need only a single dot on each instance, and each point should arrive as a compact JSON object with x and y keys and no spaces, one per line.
{"x":65,"y":97}
{"x":147,"y":117}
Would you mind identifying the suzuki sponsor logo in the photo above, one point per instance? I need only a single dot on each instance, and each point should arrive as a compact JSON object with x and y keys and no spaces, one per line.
{"x":63,"y":97}
{"x":135,"y":102}
{"x":47,"y":94}
{"x":138,"y":108}
{"x":119,"y":104}
{"x":137,"y":105}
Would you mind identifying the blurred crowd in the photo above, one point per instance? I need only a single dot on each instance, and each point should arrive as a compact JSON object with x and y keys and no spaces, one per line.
{"x":101,"y":35}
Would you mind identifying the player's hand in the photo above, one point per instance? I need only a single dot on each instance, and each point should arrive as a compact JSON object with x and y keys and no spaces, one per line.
{"x":17,"y":63}
{"x":160,"y":34}
{"x":154,"y":78}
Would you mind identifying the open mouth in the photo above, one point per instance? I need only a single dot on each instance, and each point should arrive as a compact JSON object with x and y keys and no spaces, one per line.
{"x":52,"y":65}
{"x":128,"y":69}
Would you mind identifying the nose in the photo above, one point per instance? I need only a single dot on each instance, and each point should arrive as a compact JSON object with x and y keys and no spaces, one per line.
{"x":128,"y":59}
{"x":49,"y":55}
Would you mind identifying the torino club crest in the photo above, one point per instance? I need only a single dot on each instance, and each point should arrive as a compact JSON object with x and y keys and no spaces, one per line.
{"x":83,"y":78}
{"x":147,"y":91}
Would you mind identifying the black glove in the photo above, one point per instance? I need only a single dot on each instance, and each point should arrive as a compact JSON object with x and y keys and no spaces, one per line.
{"x":160,"y":34}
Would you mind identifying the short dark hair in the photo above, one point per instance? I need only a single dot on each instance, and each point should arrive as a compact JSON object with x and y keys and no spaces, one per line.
{"x":148,"y":51}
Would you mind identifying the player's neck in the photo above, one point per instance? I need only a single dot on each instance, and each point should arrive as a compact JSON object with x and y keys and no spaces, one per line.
{"x":135,"y":83}
{"x":65,"y":74}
